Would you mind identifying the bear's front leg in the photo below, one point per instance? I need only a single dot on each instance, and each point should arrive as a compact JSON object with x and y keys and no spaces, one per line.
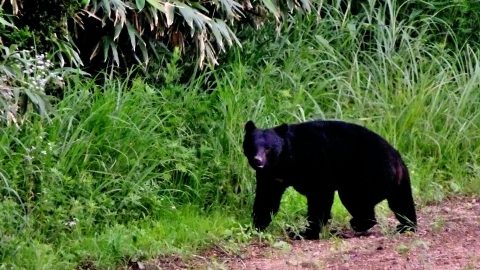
{"x":319,"y":207}
{"x":267,"y":200}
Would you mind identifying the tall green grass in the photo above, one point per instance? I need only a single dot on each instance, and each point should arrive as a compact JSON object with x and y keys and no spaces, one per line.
{"x":109,"y":159}
{"x":421,"y":96}
{"x":131,"y":169}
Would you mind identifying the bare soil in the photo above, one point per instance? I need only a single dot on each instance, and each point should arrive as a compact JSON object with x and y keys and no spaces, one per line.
{"x":448,"y":238}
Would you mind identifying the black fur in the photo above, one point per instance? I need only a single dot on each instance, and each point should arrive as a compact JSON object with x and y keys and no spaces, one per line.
{"x":318,"y":158}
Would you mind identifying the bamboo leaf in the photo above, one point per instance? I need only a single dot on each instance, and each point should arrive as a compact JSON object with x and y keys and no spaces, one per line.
{"x":143,"y":49}
{"x":212,"y":58}
{"x":6,"y":23}
{"x":106,"y":46}
{"x":232,"y":34}
{"x":198,"y":6}
{"x":201,"y":49}
{"x":290,"y":5}
{"x":218,"y":36}
{"x":306,"y":5}
{"x":95,"y":50}
{"x":131,"y":33}
{"x":106,"y":7}
{"x":169,"y":13}
{"x":118,"y":30}
{"x":113,"y":47}
{"x":140,"y":4}
{"x":272,"y":8}
{"x":231,"y":7}
{"x":222,"y":26}
{"x":188,"y":15}
{"x":156,"y":4}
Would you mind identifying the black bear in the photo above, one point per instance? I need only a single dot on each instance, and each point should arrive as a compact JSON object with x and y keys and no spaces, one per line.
{"x":317,"y":158}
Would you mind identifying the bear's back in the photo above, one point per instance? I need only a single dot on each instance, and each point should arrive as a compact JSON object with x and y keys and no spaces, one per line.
{"x":337,"y":141}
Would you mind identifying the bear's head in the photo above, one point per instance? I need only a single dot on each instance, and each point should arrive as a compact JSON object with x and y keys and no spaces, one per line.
{"x":263,"y":147}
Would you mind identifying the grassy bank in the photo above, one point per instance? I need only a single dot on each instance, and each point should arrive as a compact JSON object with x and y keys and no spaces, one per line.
{"x":132,"y":170}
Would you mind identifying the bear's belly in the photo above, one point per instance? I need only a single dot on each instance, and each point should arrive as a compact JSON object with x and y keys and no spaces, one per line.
{"x":301,"y":189}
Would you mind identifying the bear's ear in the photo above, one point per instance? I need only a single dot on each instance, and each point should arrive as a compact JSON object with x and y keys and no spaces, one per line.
{"x":282,"y":130}
{"x":250,"y":126}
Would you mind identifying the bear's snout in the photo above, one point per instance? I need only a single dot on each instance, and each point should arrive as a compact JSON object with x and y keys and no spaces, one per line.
{"x":259,"y":161}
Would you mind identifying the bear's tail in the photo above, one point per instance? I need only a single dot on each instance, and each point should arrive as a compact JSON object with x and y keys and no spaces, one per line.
{"x":400,"y":200}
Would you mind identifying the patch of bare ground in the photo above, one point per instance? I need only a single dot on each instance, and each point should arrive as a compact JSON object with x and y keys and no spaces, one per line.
{"x":448,"y":238}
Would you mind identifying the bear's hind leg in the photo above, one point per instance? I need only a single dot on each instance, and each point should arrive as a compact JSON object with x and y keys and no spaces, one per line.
{"x":363,"y":212}
{"x":362,"y":222}
{"x":402,"y":205}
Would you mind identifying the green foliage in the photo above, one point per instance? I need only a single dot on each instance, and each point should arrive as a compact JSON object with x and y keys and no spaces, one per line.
{"x":24,"y":78}
{"x":83,"y":246}
{"x":145,"y":23}
{"x":126,"y":32}
{"x":120,"y":32}
{"x":460,"y":17}
{"x":43,"y":25}
{"x":111,"y":156}
{"x":5,"y":23}
{"x":132,"y":169}
{"x":418,"y":95}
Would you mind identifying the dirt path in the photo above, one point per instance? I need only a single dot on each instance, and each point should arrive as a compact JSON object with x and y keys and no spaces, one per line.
{"x":448,"y":238}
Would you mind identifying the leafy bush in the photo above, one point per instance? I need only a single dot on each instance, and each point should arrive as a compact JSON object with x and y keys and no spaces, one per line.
{"x":122,"y":32}
{"x":25,"y":77}
{"x":42,"y":25}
